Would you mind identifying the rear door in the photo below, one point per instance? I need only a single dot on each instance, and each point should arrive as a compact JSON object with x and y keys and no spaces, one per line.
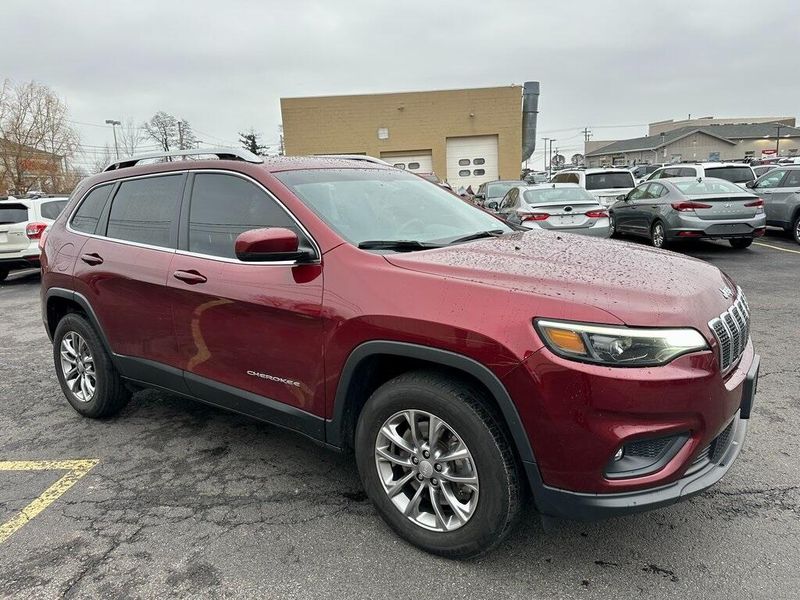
{"x":13,"y":219}
{"x":122,"y":268}
{"x":249,"y":334}
{"x":784,"y":199}
{"x":769,"y":188}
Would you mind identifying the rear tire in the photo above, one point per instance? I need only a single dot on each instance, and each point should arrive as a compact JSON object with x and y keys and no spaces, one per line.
{"x":658,"y":235}
{"x":612,"y":225}
{"x":741,"y":243}
{"x":796,"y":229}
{"x":87,"y":376}
{"x":430,"y":510}
{"x":3,"y":274}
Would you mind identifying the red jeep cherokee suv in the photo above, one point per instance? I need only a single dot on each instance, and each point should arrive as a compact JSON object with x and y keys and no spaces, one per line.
{"x":464,"y":362}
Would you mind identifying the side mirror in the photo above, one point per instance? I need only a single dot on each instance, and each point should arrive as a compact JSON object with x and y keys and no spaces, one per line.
{"x":492,"y":205}
{"x":269,"y":244}
{"x":622,"y":197}
{"x":750,"y":184}
{"x":480,"y":196}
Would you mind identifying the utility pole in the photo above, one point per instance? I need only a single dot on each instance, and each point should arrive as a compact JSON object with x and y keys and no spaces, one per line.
{"x":545,"y":153}
{"x":551,"y":155}
{"x":114,"y":124}
{"x":180,"y":135}
{"x":778,"y":141}
{"x":586,"y":135}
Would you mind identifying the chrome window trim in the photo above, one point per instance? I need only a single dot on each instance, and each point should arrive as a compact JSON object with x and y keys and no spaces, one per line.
{"x":281,"y":263}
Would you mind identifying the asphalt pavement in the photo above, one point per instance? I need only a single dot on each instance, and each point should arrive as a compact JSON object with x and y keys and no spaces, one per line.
{"x":188,"y":501}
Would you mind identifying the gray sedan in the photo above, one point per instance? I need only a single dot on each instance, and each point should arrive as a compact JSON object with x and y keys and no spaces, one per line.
{"x":557,"y":207}
{"x":682,"y":208}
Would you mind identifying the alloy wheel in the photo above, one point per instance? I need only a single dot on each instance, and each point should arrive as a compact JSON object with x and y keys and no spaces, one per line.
{"x":797,"y":231}
{"x":427,"y":470}
{"x":658,"y":235}
{"x":77,"y":366}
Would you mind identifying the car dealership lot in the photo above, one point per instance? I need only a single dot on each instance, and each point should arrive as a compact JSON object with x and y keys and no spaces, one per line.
{"x":190,"y":500}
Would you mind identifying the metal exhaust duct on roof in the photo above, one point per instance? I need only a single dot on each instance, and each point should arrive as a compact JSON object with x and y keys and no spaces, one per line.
{"x":530,"y":112}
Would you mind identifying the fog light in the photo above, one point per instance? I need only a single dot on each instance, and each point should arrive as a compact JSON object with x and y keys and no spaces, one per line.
{"x":618,"y":455}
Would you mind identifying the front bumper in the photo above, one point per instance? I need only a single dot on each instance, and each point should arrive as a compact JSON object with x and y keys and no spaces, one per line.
{"x":560,"y":503}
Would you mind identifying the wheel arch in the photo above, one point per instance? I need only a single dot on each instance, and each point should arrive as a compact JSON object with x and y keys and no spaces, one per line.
{"x":59,"y":302}
{"x":357,"y":381}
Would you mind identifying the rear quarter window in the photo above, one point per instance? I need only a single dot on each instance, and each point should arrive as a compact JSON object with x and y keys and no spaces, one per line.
{"x":88,"y":213}
{"x":13,"y":213}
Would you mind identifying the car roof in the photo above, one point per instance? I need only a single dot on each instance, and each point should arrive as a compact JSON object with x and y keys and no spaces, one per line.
{"x":545,"y":186}
{"x":595,"y":170}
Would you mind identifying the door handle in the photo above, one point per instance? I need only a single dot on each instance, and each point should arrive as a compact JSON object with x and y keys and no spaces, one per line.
{"x":191,"y":277}
{"x":92,"y":258}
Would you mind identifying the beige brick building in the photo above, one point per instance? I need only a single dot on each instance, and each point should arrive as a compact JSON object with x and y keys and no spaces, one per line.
{"x":465,"y":136}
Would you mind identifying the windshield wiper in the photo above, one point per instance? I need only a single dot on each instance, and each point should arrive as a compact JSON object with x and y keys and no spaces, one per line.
{"x":478,"y":235}
{"x":399,"y":245}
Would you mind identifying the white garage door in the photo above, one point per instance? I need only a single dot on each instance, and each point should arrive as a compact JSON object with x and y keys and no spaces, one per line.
{"x":472,"y":160}
{"x":418,"y":163}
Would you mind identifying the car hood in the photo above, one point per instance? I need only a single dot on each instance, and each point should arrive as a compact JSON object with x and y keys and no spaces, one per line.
{"x":640,"y":286}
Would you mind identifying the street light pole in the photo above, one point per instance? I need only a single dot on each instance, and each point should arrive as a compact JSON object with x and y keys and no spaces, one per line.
{"x":778,"y":141}
{"x":545,"y":154}
{"x":114,"y":124}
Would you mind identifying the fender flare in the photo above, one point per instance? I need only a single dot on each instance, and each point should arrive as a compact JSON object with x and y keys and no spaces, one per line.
{"x":81,"y":301}
{"x":334,"y":428}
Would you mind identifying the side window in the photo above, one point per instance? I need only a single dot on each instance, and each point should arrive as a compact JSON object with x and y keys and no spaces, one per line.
{"x":687,"y":172}
{"x":224,"y":206}
{"x":144,"y":210}
{"x":656,"y":190}
{"x":559,"y":178}
{"x":792,"y":179}
{"x":657,"y":174}
{"x":88,"y":214}
{"x":508,"y":200}
{"x":771,"y":180}
{"x":638,"y":193}
{"x":572,"y":178}
{"x":51,"y":210}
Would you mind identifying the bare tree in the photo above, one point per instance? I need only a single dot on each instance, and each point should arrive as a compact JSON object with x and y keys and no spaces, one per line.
{"x":169,"y":132}
{"x":36,"y":140}
{"x":101,"y":158}
{"x":131,"y":137}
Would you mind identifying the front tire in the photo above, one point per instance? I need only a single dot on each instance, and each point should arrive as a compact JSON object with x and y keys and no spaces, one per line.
{"x":612,"y":225}
{"x":740,"y":243}
{"x":437,"y":464}
{"x":87,"y":376}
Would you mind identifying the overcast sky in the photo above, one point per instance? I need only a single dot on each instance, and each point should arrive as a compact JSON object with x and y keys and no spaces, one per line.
{"x":224,"y":65}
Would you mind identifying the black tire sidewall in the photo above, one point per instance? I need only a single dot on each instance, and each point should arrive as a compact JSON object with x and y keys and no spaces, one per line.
{"x":741,"y":243}
{"x":796,"y":230}
{"x":98,"y":406}
{"x":3,"y":274}
{"x":488,"y":522}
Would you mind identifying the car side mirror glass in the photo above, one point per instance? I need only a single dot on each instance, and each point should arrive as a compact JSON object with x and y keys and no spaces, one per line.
{"x":492,"y":205}
{"x":750,"y":184}
{"x":269,"y":244}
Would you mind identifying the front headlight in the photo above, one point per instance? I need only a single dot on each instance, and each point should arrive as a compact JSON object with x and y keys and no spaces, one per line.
{"x":618,"y":346}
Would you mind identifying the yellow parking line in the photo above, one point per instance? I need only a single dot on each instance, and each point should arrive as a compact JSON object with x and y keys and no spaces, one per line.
{"x":777,"y":248}
{"x":76,"y":468}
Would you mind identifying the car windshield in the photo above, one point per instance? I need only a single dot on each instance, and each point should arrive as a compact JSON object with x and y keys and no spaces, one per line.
{"x":707,"y":186}
{"x":734,"y":174}
{"x":611,"y":180}
{"x":13,"y":213}
{"x":548,"y":195}
{"x":387,"y":205}
{"x":498,"y":190}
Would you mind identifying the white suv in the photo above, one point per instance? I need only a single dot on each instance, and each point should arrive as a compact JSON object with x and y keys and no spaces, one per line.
{"x":605,"y":184}
{"x":738,"y":173}
{"x":22,"y":221}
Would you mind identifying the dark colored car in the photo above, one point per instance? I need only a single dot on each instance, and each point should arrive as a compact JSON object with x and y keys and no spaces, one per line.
{"x":462,"y":361}
{"x":493,"y":191}
{"x":680,"y":208}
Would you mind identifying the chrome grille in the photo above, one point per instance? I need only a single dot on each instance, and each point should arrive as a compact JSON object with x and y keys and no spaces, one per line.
{"x":732,"y":330}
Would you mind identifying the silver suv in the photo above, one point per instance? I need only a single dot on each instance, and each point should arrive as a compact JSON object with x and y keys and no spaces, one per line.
{"x":22,"y":221}
{"x":737,"y":173}
{"x":780,"y":190}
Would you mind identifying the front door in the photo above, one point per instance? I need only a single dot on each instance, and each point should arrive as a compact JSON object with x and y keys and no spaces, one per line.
{"x":768,"y":188}
{"x":249,"y":334}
